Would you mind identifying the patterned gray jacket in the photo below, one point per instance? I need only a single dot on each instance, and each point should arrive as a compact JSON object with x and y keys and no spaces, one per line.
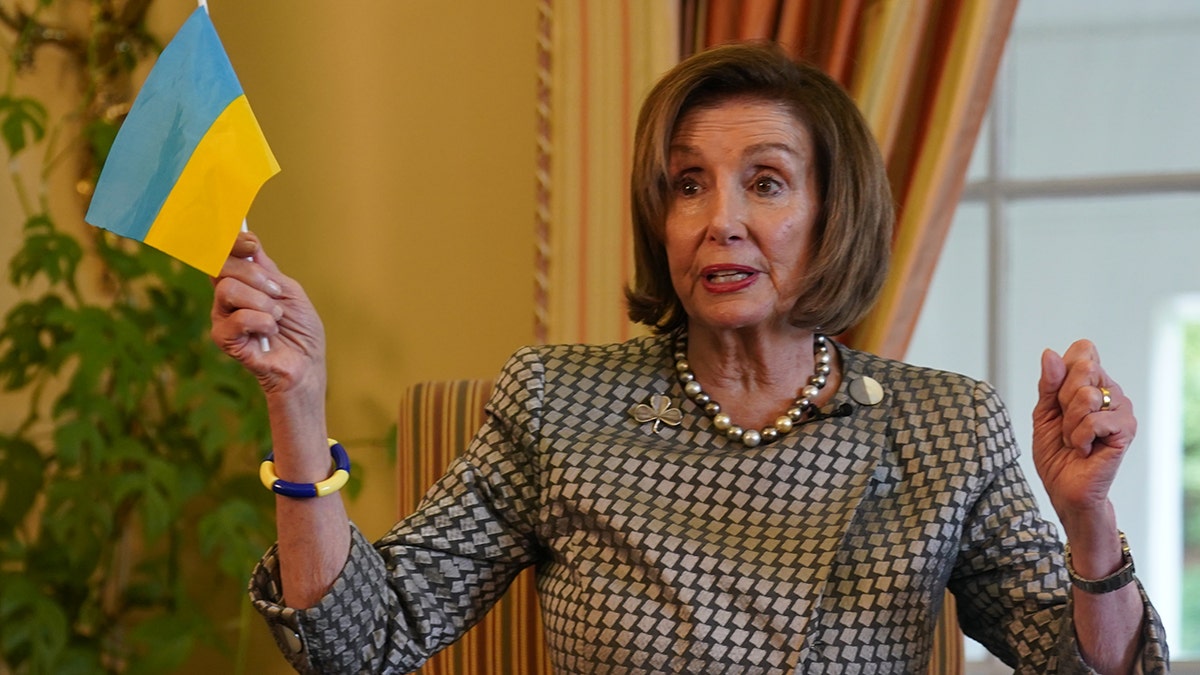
{"x":675,"y":551}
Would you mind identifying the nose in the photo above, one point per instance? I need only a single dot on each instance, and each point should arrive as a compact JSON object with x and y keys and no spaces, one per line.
{"x":726,"y":216}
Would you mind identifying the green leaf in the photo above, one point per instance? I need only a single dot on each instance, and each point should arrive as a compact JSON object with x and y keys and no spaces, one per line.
{"x":157,"y":490}
{"x":45,"y":252}
{"x":148,"y":592}
{"x":73,"y":439}
{"x":78,"y":660}
{"x":129,"y":486}
{"x":157,"y":514}
{"x":78,"y":524}
{"x":35,"y":627}
{"x":193,"y":480}
{"x":126,"y":450}
{"x":31,"y":340}
{"x":21,"y":480}
{"x":120,"y":256}
{"x":50,"y":566}
{"x":163,"y":643}
{"x":22,"y":122}
{"x":100,"y":134}
{"x":235,"y":532}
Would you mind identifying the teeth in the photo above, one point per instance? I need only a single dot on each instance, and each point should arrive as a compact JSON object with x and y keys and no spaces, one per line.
{"x":728,"y":277}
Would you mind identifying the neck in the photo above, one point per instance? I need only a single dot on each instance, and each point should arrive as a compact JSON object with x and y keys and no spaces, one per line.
{"x":758,"y":378}
{"x":742,"y":365}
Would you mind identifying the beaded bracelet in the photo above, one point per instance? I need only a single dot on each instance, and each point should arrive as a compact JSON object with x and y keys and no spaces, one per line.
{"x":335,"y":482}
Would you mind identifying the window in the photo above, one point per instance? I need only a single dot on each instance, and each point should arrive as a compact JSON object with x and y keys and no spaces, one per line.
{"x":1188,"y":331}
{"x":1082,"y":219}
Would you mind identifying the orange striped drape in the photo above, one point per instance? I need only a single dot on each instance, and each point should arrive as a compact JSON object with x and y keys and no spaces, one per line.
{"x":600,"y":58}
{"x":922,"y":73}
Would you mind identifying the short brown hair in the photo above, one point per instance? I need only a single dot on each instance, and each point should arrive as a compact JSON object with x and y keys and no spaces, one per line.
{"x":852,"y":234}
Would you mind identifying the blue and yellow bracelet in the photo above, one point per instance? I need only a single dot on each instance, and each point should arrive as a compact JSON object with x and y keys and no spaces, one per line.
{"x":335,"y":482}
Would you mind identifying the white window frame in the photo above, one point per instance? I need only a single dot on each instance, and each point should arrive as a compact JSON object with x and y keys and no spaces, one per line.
{"x":996,"y":191}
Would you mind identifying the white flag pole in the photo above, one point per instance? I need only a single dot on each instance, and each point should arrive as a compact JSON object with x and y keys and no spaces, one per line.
{"x":263,"y":343}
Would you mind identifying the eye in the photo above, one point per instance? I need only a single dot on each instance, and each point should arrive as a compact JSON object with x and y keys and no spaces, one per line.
{"x":767,"y":185}
{"x":687,"y":186}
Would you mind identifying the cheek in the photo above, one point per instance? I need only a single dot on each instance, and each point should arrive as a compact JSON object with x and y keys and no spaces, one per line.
{"x":792,"y":245}
{"x":678,"y":263}
{"x":678,"y":247}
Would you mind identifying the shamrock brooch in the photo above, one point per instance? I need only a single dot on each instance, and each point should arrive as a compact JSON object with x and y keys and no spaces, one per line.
{"x":659,"y":411}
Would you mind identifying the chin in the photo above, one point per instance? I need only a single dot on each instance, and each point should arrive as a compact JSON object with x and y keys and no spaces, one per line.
{"x":733,"y":314}
{"x":732,"y":321}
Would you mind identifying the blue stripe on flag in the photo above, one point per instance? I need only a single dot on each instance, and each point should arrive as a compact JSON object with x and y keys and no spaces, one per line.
{"x":189,"y":86}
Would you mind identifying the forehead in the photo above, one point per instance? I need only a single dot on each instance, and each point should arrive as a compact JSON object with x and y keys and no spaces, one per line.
{"x":747,"y":122}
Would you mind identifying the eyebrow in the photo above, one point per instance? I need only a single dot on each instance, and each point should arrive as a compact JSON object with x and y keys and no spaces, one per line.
{"x":751,"y":150}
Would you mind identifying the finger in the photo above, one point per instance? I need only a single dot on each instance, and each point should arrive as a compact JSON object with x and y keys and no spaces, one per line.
{"x":252,"y":273}
{"x":1110,"y":429}
{"x":1088,"y":400}
{"x":1087,"y":412}
{"x":1081,"y":350}
{"x":242,"y":329}
{"x":1053,"y":373}
{"x":249,"y":247}
{"x":266,"y":261}
{"x":241,"y":312}
{"x":246,"y":245}
{"x":232,"y":295}
{"x":1076,"y":410}
{"x":1089,"y":375}
{"x":1084,"y":373}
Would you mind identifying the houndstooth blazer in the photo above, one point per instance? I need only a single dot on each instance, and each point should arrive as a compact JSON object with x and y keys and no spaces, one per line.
{"x":668,"y":549}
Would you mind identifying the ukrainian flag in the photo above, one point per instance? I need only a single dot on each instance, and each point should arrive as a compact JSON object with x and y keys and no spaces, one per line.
{"x":190,"y":157}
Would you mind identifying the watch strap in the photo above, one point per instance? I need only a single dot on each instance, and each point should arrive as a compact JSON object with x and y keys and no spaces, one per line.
{"x":1110,"y":583}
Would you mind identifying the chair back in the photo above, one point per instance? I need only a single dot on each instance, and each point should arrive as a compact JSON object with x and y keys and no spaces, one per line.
{"x":437,"y":421}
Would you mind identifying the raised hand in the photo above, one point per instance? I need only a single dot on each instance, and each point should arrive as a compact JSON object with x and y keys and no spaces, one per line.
{"x":253,"y":299}
{"x":1082,"y":426}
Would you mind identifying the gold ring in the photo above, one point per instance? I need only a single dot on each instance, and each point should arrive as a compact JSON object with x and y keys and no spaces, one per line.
{"x":1105,"y":398}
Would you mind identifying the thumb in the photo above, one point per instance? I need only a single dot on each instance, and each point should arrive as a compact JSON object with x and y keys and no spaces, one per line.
{"x":1054,"y":371}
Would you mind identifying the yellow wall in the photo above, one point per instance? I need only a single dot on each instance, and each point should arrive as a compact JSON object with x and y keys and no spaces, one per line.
{"x":406,"y":135}
{"x":405,"y":206}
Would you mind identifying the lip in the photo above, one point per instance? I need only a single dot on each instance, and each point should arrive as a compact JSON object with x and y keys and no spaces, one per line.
{"x":712,"y":286}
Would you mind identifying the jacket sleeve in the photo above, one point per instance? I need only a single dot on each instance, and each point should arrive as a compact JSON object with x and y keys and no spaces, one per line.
{"x":438,"y":571}
{"x":1010,"y":580}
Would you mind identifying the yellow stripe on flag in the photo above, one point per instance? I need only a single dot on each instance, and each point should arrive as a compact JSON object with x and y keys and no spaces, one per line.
{"x":202,"y":214}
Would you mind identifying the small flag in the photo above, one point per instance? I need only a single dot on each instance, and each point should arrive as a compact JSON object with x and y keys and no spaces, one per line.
{"x":190,"y":157}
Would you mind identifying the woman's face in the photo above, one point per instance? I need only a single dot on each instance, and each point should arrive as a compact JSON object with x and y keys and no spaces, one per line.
{"x":743,"y":200}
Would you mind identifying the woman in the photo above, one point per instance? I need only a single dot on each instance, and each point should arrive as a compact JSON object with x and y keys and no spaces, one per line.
{"x":808,"y":522}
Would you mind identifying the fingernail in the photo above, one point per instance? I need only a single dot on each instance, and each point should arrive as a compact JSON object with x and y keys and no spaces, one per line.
{"x":273,"y":288}
{"x":277,"y":312}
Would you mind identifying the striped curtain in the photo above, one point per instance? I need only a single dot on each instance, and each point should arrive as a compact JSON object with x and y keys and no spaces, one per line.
{"x":922,"y":73}
{"x":598,"y":59}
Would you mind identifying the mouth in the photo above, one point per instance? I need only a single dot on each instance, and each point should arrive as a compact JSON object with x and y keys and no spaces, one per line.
{"x":727,"y":277}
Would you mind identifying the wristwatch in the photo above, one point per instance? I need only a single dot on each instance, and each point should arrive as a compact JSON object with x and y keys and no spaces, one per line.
{"x":1109,"y":583}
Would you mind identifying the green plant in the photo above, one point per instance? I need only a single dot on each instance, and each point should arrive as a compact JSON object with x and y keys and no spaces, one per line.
{"x":1189,"y":640}
{"x":134,"y":457}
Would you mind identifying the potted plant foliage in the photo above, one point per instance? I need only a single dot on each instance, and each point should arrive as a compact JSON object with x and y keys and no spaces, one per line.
{"x":129,"y":476}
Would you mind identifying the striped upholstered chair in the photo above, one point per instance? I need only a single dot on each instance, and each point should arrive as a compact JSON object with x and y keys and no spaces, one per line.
{"x":437,"y":420}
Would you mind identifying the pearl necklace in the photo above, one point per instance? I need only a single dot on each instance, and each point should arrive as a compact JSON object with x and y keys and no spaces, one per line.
{"x":750,"y":438}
